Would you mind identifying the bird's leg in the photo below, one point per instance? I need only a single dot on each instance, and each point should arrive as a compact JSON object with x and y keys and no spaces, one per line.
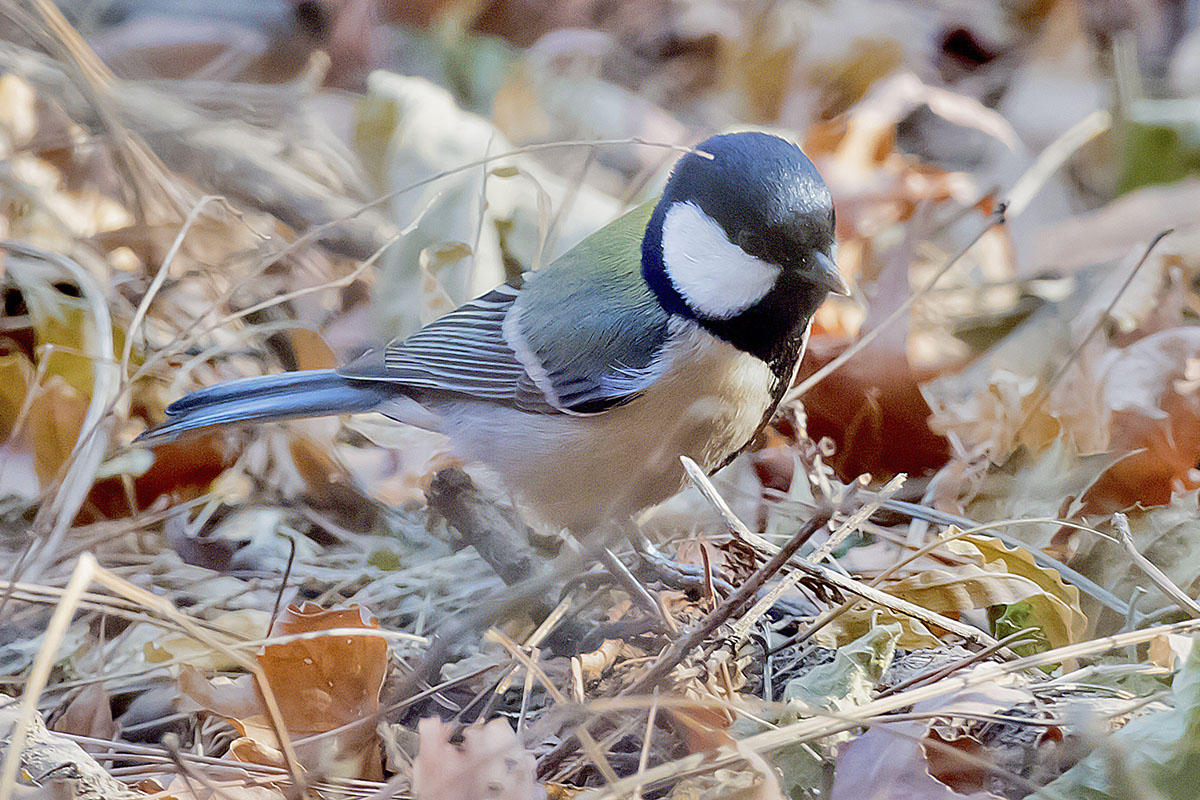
{"x":621,"y":574}
{"x":685,"y":577}
{"x":691,"y":578}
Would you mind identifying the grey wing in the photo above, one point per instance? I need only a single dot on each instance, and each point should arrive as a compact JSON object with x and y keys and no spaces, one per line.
{"x":468,"y":352}
{"x":608,"y":352}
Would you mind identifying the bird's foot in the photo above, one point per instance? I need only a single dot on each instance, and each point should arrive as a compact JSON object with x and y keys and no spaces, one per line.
{"x":697,"y":580}
{"x":676,"y":575}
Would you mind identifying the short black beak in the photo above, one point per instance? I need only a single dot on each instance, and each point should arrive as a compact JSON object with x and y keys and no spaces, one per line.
{"x":827,"y":276}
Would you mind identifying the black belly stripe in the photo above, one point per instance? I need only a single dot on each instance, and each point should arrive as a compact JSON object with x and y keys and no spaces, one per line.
{"x":783,"y":366}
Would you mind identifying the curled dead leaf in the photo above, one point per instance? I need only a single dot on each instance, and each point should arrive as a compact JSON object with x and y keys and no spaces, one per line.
{"x":320,"y":682}
{"x":993,"y":575}
{"x":490,"y":762}
{"x":593,"y":665}
{"x":1150,"y":388}
{"x":41,"y":420}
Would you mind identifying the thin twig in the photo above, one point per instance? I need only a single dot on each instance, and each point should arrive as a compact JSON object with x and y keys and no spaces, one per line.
{"x":39,"y":674}
{"x":287,"y":571}
{"x":1052,"y":157}
{"x":1043,"y":392}
{"x":821,"y":572}
{"x":1012,"y":640}
{"x":644,"y":757}
{"x":717,"y":617}
{"x":669,"y":658}
{"x":742,"y":629}
{"x":78,"y":475}
{"x":1080,"y":581}
{"x":1121,"y":523}
{"x":821,"y":725}
{"x":799,"y":390}
{"x":160,"y":277}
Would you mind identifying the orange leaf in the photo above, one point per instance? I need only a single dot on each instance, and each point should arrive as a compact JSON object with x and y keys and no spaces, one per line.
{"x":321,"y":683}
{"x":328,"y":681}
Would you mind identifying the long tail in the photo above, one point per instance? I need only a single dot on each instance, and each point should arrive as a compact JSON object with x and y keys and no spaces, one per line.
{"x":309,"y":393}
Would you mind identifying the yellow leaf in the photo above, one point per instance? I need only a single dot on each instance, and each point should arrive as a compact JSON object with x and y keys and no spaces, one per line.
{"x":63,"y":338}
{"x":865,"y":617}
{"x":155,"y":655}
{"x":968,"y":587}
{"x":55,"y":419}
{"x":1019,"y":561}
{"x":16,"y":374}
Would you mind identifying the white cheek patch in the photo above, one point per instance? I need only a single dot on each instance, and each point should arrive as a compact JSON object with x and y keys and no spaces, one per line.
{"x":715,"y":277}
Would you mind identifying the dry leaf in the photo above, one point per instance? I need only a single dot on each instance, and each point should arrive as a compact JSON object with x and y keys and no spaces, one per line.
{"x":873,"y":412}
{"x":871,"y":408}
{"x":179,"y":471}
{"x":965,"y":587}
{"x":758,"y":782}
{"x":184,"y":788}
{"x":247,"y":623}
{"x":433,"y":260}
{"x":593,"y":665}
{"x":320,"y":683}
{"x":309,"y":350}
{"x":1061,"y":599}
{"x":1168,"y":535}
{"x":863,"y":618}
{"x":398,"y":470}
{"x":88,"y":714}
{"x":1150,"y":388}
{"x":490,"y":763}
{"x":891,"y":762}
{"x":40,"y":420}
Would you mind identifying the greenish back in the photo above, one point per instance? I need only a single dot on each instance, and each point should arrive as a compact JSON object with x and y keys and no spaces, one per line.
{"x":591,"y":320}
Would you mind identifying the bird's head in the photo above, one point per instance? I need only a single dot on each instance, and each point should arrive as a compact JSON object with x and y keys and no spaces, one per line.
{"x":742,"y":239}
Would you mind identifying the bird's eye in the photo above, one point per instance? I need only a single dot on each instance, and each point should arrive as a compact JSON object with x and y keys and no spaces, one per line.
{"x":752,"y":244}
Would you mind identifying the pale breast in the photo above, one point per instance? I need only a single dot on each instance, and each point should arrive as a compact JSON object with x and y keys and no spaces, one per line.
{"x":578,"y":471}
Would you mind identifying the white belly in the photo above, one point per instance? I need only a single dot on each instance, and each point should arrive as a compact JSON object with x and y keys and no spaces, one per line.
{"x":579,"y":471}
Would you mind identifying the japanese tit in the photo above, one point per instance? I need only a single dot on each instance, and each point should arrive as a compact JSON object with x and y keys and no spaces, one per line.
{"x":674,"y":330}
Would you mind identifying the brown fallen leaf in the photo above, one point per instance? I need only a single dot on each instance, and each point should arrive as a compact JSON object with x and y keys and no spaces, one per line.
{"x":873,"y":412}
{"x":1150,"y":389}
{"x":307,"y":349}
{"x":321,"y":683}
{"x":893,"y":762}
{"x":88,"y":714}
{"x":1135,"y":406}
{"x":181,"y":470}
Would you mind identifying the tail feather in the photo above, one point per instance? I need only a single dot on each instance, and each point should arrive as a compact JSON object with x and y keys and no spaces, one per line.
{"x":309,"y":393}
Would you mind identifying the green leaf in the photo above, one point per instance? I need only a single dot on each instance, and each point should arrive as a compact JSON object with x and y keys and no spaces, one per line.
{"x":386,"y":560}
{"x":1156,"y":755}
{"x":1007,"y":620}
{"x":850,"y":679}
{"x":847,"y":681}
